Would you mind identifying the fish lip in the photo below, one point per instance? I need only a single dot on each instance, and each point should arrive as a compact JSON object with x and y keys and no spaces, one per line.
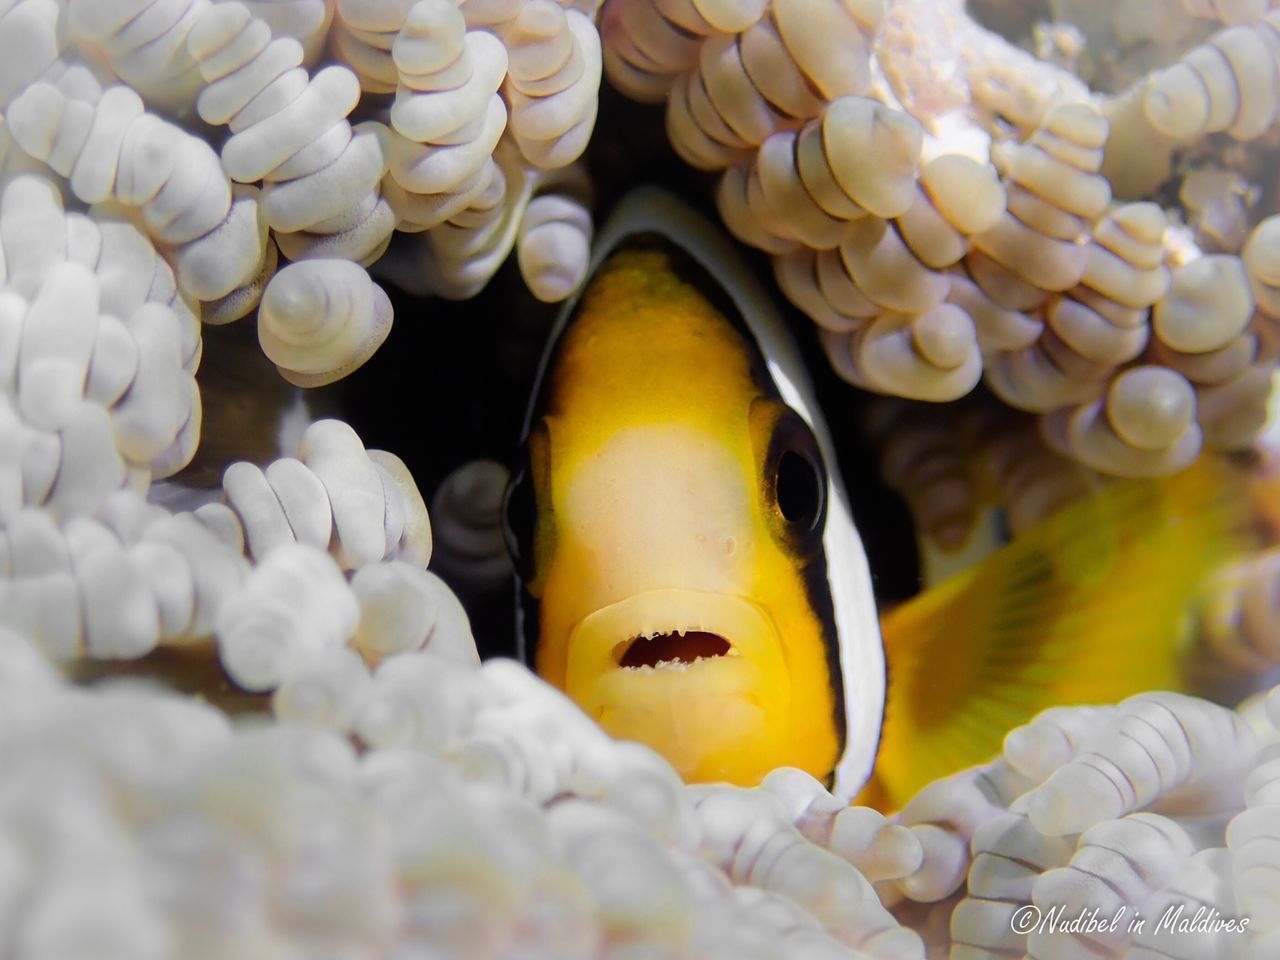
{"x":599,"y":641}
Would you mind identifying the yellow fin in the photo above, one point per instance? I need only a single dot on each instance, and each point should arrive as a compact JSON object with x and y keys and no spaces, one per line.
{"x":1091,"y":605}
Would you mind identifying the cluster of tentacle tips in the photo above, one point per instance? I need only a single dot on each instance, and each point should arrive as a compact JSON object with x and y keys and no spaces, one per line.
{"x":321,"y":554}
{"x":241,"y":136}
{"x":483,"y":815}
{"x":1151,"y":819}
{"x":949,"y":208}
{"x":165,"y":165}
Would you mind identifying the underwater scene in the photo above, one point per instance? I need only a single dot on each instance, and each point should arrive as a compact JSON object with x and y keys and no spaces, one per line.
{"x":639,"y":480}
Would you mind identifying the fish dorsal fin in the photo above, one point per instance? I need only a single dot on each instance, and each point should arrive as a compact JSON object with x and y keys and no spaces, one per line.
{"x":1092,"y":605}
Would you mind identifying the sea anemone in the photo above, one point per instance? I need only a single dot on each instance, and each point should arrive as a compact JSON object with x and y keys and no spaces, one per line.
{"x":1081,"y":231}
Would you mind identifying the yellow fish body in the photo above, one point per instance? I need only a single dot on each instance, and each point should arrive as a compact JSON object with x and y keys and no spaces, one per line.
{"x":691,"y":574}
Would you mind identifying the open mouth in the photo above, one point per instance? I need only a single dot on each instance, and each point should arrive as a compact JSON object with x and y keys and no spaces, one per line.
{"x":674,"y":650}
{"x":693,"y":674}
{"x":670,"y":634}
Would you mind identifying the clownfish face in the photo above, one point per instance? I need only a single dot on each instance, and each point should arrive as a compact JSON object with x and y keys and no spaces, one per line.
{"x":668,"y":525}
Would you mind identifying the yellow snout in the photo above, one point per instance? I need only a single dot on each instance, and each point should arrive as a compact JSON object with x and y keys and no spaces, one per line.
{"x":694,"y":675}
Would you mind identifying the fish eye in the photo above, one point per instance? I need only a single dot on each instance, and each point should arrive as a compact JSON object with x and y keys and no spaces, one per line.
{"x":518,"y":514}
{"x":798,"y":489}
{"x":796,"y":478}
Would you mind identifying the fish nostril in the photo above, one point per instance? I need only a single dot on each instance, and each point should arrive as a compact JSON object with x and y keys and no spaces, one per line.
{"x":673,"y":647}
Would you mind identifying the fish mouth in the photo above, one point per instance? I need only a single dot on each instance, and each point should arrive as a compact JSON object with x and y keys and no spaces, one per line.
{"x":670,"y":630}
{"x":673,"y":650}
{"x":691,"y":673}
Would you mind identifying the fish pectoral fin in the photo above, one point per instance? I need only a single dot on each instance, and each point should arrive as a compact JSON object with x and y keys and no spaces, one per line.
{"x":1091,"y":605}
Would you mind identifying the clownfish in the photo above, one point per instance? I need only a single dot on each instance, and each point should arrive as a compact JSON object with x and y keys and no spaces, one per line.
{"x":690,"y":574}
